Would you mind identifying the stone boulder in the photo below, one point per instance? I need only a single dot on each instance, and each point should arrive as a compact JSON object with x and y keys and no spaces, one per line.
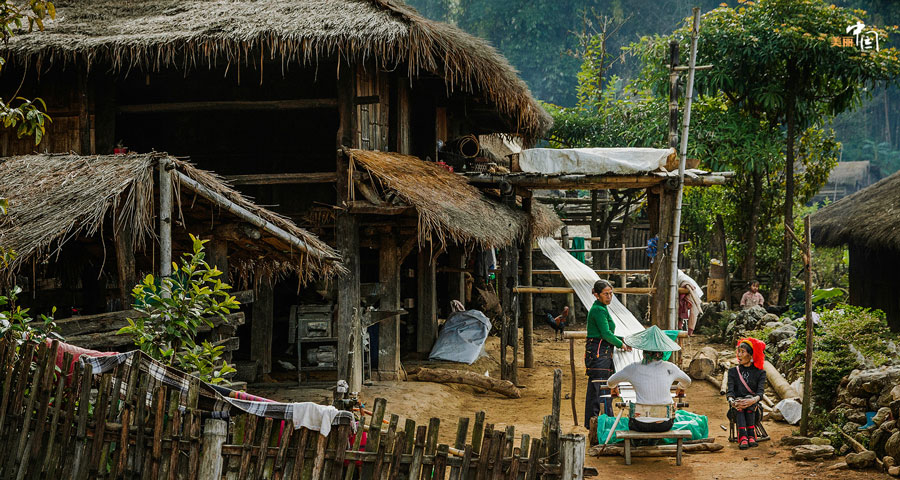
{"x":878,"y":442}
{"x":861,"y":460}
{"x":865,"y":383}
{"x":812,"y":452}
{"x":782,"y":333}
{"x":892,"y":446}
{"x":794,"y":440}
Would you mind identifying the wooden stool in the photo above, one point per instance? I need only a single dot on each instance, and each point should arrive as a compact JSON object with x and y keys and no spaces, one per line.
{"x":679,"y":435}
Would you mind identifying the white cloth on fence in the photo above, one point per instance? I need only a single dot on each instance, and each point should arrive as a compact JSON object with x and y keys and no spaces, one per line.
{"x":593,"y":161}
{"x":581,"y":278}
{"x":695,"y":297}
{"x":314,"y":416}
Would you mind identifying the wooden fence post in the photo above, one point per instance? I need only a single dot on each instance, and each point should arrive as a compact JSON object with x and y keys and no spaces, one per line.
{"x":211,"y":461}
{"x":572,"y":457}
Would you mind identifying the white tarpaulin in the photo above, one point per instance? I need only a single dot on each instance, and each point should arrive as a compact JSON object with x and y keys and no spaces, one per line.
{"x":593,"y":161}
{"x":582,"y":277}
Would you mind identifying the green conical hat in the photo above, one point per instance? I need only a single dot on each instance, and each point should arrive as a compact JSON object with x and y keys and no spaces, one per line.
{"x":652,"y":339}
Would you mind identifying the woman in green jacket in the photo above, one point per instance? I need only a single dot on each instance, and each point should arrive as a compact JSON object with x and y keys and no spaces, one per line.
{"x":601,"y":340}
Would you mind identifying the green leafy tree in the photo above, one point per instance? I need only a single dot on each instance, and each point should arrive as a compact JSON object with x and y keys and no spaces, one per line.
{"x":777,"y":60}
{"x":175,"y":307}
{"x":27,"y":116}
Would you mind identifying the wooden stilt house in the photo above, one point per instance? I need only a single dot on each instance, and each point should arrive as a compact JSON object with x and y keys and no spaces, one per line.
{"x":289,"y":101}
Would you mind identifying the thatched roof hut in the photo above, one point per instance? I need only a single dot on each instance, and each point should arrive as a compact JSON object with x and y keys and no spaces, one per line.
{"x":869,"y":218}
{"x":449,"y":208}
{"x":153,"y":34}
{"x":55,"y":198}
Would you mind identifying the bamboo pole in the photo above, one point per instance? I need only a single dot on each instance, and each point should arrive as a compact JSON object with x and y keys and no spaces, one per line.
{"x":676,"y":221}
{"x":807,"y":372}
{"x":632,"y":290}
{"x":623,"y":277}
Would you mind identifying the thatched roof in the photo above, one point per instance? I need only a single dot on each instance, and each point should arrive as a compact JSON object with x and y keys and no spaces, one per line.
{"x":55,"y":198}
{"x":849,"y":173}
{"x":869,"y":218}
{"x":448,"y":207}
{"x":151,"y":34}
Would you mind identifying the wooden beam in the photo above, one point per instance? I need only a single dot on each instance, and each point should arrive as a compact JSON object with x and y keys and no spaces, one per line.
{"x":230,"y":105}
{"x":590,"y":182}
{"x":125,"y":263}
{"x":527,"y":277}
{"x":217,"y":256}
{"x":389,"y":330}
{"x":456,"y":285}
{"x":165,"y":217}
{"x":347,"y":235}
{"x":634,"y":290}
{"x":262,"y":324}
{"x":598,"y":272}
{"x":426,"y":303}
{"x":365,"y":208}
{"x":84,"y":114}
{"x":282,"y":178}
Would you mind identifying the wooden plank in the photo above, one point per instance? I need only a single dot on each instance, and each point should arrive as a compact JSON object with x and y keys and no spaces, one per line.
{"x":374,"y":436}
{"x":534,"y":454}
{"x":379,"y":461}
{"x":434,"y":426}
{"x":633,"y":290}
{"x":342,"y":433}
{"x":527,"y":277}
{"x":140,"y":422}
{"x":357,"y":441}
{"x":263,"y":447}
{"x":124,"y":245}
{"x":478,"y":431}
{"x":249,"y":435}
{"x":623,"y":271}
{"x":262,"y":325}
{"x":175,"y":452}
{"x":523,"y":447}
{"x":389,"y":330}
{"x":396,"y":453}
{"x":23,"y":452}
{"x":484,"y":456}
{"x":284,"y":441}
{"x":513,"y":472}
{"x":510,"y":438}
{"x":165,"y":217}
{"x":415,"y":468}
{"x":347,"y":234}
{"x":498,"y":442}
{"x":299,"y":456}
{"x":51,"y":459}
{"x":410,"y":431}
{"x":440,"y":462}
{"x":466,"y":463}
{"x":319,"y":460}
{"x":591,"y":182}
{"x":282,"y":178}
{"x":78,"y":463}
{"x":230,"y":105}
{"x":426,"y":301}
{"x":647,"y":435}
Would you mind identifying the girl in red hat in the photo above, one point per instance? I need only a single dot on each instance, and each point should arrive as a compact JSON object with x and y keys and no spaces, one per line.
{"x":746,"y":387}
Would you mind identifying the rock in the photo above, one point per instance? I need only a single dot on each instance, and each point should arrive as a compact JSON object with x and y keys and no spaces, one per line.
{"x":857,"y":416}
{"x":812,"y":452}
{"x":864,"y":383}
{"x":895,"y":409}
{"x":851,"y":427}
{"x":881,"y":416}
{"x":895,"y":393}
{"x":770,"y":318}
{"x":794,"y":440}
{"x":845,"y":449}
{"x":819,"y":441}
{"x":784,"y":332}
{"x":889,"y":424}
{"x":894,"y":471}
{"x":837,"y":466}
{"x":892,"y":446}
{"x":861,"y":460}
{"x":879,"y":440}
{"x":888,"y":461}
{"x":857,"y":402}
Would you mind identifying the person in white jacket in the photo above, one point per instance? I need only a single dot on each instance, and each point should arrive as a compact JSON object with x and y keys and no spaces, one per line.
{"x":652,"y":379}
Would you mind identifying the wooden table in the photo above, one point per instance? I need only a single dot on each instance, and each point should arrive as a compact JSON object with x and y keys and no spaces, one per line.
{"x":627,"y":435}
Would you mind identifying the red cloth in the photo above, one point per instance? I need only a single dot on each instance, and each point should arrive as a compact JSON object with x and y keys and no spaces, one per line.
{"x":759,"y":351}
{"x":362,"y":446}
{"x":76,"y":352}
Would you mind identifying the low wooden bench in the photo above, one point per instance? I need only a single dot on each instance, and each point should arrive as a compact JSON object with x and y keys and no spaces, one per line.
{"x":679,"y":435}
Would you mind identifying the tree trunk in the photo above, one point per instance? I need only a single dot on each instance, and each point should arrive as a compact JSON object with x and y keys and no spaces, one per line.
{"x":444,"y":375}
{"x":703,"y":364}
{"x":778,"y":382}
{"x":788,"y":202}
{"x":751,"y":234}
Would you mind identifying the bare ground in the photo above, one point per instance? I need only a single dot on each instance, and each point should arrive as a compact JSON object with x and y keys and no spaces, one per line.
{"x":422,"y":401}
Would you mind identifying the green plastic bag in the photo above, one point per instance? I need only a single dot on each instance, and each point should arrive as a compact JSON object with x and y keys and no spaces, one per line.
{"x":578,"y":244}
{"x":684,"y":420}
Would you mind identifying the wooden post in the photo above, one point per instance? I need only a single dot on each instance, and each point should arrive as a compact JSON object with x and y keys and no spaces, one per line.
{"x":214,"y":432}
{"x":261,"y":326}
{"x":389,"y":330}
{"x":574,"y":382}
{"x":217,"y":256}
{"x":528,"y":278}
{"x":624,"y":277}
{"x":660,"y":270}
{"x":456,"y":280}
{"x":347,"y":235}
{"x":125,"y":263}
{"x":84,"y":114}
{"x":807,"y":372}
{"x":427,"y":301}
{"x":165,"y":217}
{"x":572,"y":457}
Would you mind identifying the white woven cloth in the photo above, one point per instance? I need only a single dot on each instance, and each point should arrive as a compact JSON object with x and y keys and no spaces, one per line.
{"x":582,"y":277}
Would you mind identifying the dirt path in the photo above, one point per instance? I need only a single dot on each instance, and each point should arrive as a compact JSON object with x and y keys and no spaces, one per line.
{"x":421,"y":401}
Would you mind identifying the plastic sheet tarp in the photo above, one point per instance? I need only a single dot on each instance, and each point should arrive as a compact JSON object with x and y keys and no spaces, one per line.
{"x":581,"y":278}
{"x":698,"y":425}
{"x":462,"y":338}
{"x":593,"y":161}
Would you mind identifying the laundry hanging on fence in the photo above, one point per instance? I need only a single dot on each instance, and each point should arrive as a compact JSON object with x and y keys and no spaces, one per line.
{"x":581,"y":278}
{"x":211,"y":400}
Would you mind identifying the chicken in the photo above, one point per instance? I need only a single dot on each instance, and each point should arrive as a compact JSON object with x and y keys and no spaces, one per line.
{"x":558,"y":324}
